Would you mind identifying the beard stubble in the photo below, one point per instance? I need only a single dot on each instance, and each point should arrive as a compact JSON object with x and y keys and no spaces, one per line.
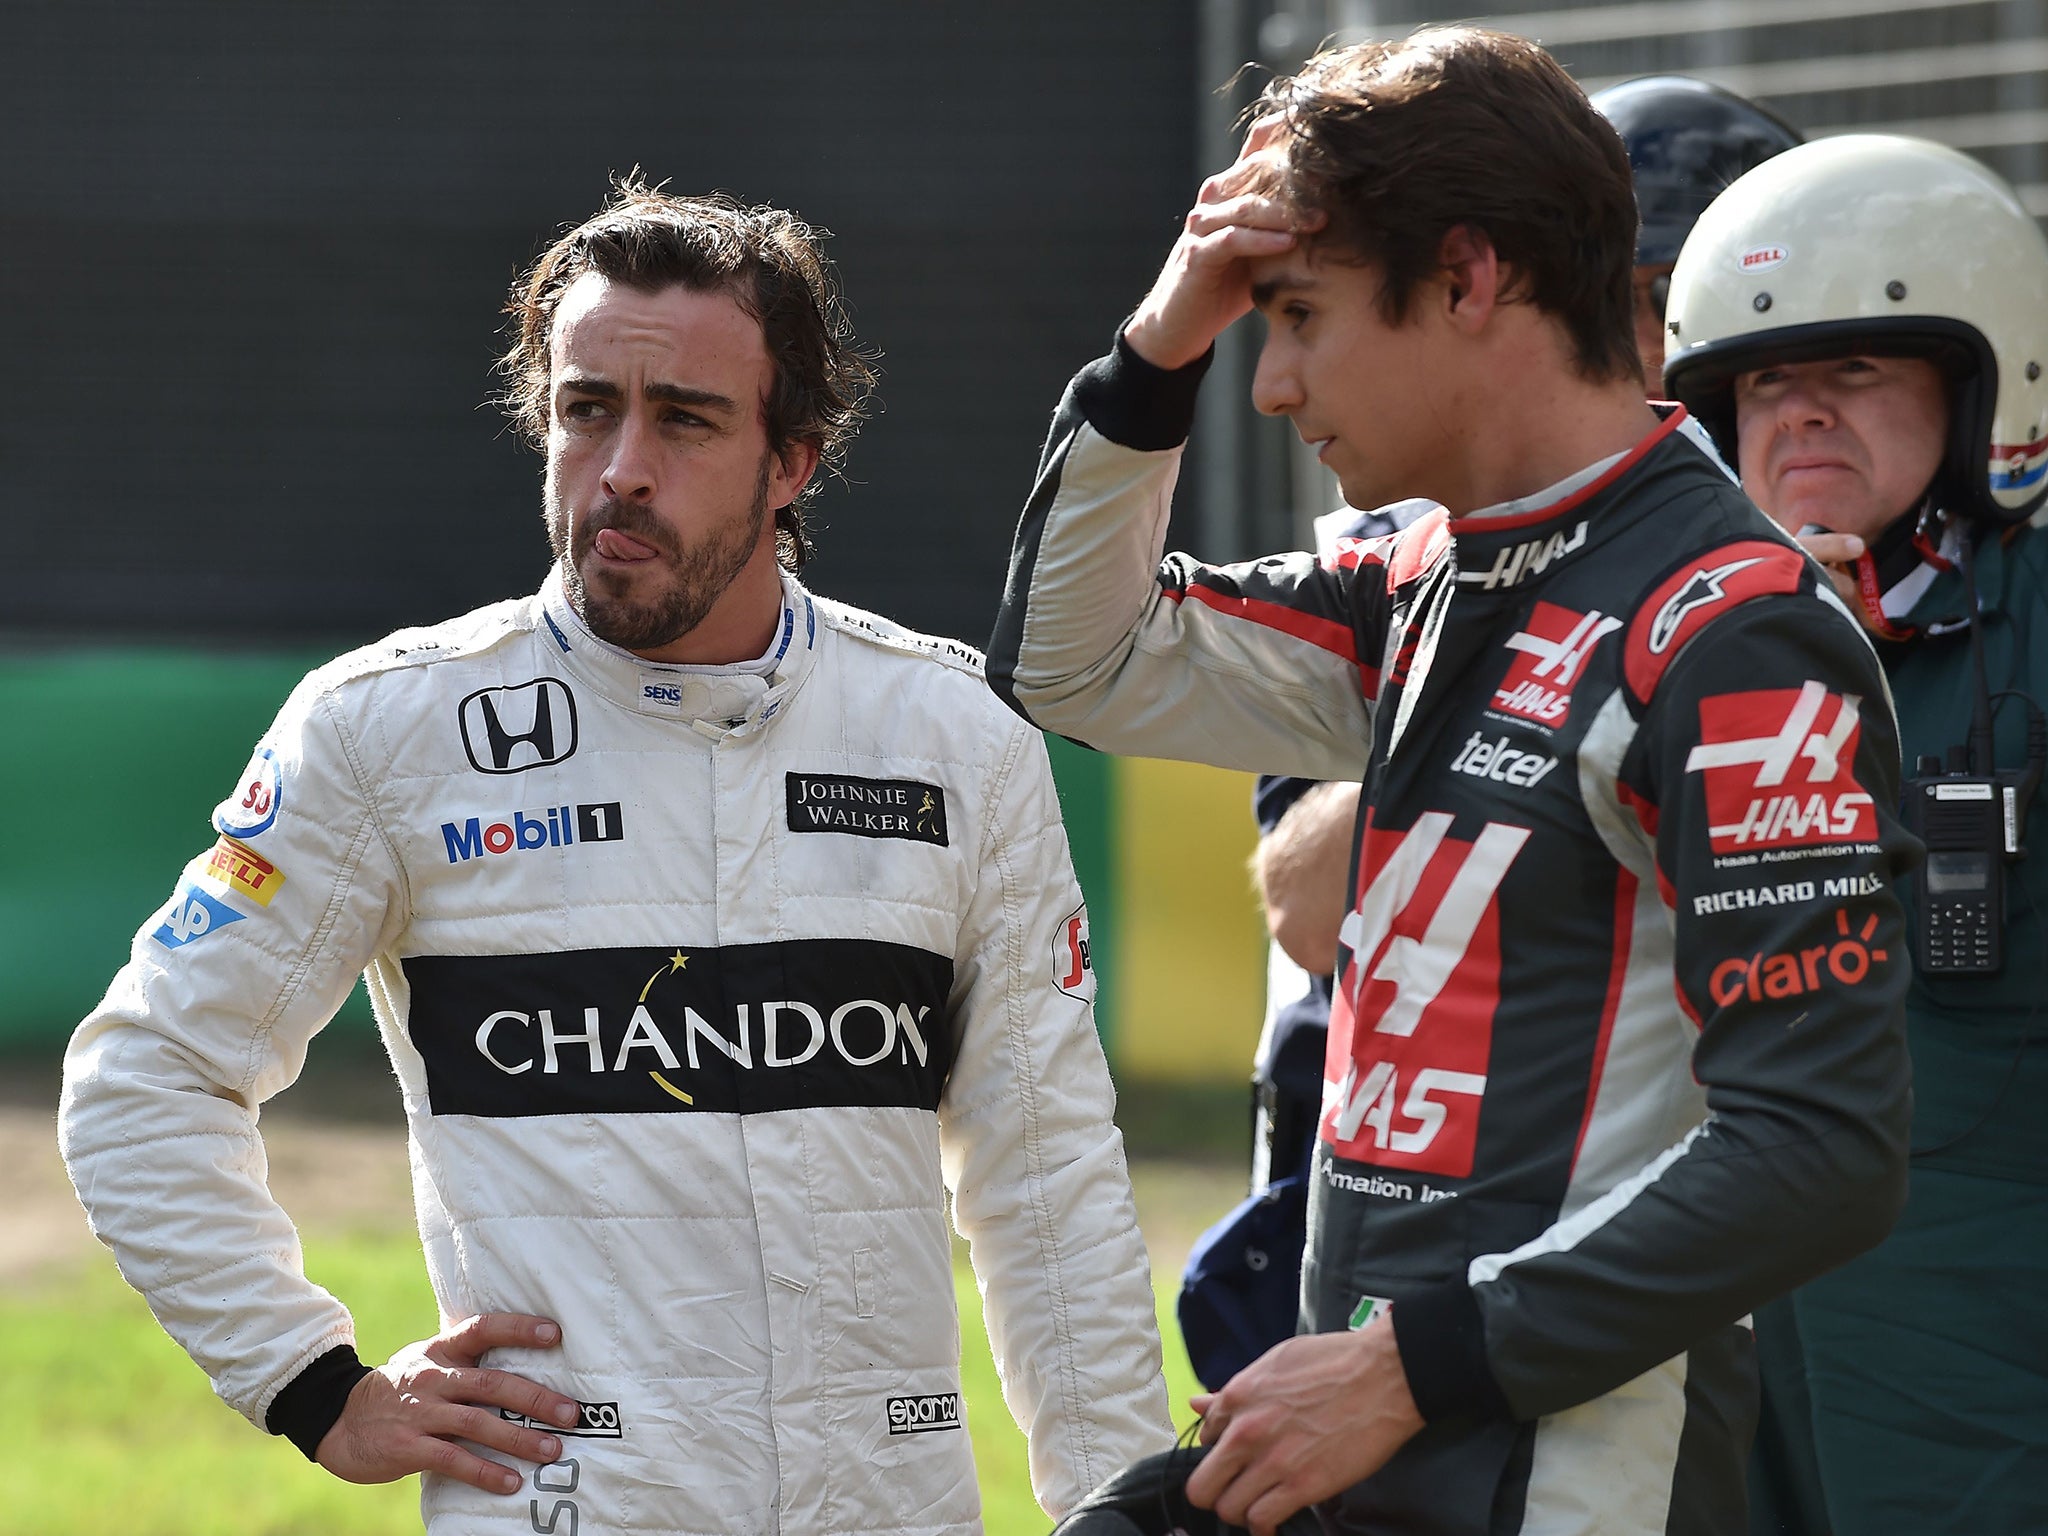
{"x":696,"y":575}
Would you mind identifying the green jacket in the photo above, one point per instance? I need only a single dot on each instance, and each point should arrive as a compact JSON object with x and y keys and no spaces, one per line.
{"x":1965,"y":1031}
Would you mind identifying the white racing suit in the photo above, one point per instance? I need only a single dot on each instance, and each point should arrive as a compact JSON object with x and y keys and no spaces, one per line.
{"x":703,"y":988}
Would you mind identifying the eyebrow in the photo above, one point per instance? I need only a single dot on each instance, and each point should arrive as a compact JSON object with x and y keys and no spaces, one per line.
{"x":1266,"y":292}
{"x":668,"y":394}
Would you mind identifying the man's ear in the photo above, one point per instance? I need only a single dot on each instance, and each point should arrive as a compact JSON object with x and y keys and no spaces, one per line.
{"x":1470,"y":271}
{"x":794,"y":467}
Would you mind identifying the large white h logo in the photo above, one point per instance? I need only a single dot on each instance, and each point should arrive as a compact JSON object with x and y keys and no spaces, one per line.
{"x":1558,"y":661}
{"x":1796,"y":738}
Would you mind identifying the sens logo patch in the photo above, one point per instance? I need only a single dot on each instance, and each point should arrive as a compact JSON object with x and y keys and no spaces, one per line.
{"x":838,"y":802}
{"x":1072,"y":964}
{"x":1549,"y":656}
{"x":1779,"y":765}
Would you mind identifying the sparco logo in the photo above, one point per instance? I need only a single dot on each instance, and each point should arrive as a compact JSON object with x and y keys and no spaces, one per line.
{"x":1550,"y":654}
{"x":1528,"y":558}
{"x":529,"y":725}
{"x":1796,"y":972}
{"x":595,"y":1421}
{"x":921,"y":1415}
{"x":554,"y":827}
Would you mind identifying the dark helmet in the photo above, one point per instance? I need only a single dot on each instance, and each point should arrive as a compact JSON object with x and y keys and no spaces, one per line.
{"x":1686,"y":141}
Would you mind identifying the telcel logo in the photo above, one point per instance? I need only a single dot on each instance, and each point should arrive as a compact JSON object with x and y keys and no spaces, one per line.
{"x":551,"y":828}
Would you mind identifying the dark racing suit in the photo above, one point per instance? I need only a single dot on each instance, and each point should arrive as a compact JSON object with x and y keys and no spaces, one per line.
{"x":1617,"y":1050}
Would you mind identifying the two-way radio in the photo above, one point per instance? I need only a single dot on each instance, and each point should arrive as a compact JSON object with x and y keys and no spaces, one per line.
{"x":1972,"y":816}
{"x":1966,"y":821}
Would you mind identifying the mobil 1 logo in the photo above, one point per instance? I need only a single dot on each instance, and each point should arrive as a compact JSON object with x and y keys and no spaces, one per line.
{"x":557,"y":826}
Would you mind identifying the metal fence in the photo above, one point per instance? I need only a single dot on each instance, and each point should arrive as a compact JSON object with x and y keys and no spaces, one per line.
{"x":1968,"y":73}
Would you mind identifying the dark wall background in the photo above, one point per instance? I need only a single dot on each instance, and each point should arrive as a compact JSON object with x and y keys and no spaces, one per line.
{"x":256,"y":252}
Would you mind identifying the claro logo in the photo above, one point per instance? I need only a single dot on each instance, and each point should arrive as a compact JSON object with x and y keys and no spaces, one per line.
{"x":1795,"y":973}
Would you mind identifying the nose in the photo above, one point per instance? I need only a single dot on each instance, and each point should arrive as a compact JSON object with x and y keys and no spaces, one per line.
{"x":1276,"y":386}
{"x":629,"y":471}
{"x":1805,"y":406}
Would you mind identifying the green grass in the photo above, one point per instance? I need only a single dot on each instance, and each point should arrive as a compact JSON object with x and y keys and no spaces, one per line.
{"x":106,"y":1427}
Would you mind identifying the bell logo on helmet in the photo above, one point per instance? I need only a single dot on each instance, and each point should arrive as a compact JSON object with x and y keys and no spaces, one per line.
{"x":1761,"y":258}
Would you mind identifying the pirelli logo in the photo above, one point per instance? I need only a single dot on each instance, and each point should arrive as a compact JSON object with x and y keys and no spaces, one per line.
{"x":250,"y":873}
{"x":922,"y":1415}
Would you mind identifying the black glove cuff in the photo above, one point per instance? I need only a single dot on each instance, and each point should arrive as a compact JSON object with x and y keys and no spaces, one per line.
{"x":311,"y":1401}
{"x":1137,"y":405}
{"x":1442,"y":1339}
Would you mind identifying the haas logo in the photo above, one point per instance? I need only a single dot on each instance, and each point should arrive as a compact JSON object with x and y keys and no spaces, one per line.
{"x":1779,"y":768}
{"x":1073,"y":970}
{"x":1550,"y":654}
{"x":1411,"y":1026}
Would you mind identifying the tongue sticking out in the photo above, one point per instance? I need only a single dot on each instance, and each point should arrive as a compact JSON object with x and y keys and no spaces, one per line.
{"x":615,"y":545}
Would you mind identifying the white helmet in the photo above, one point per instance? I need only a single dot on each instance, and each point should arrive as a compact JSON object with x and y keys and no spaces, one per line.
{"x":1886,"y":245}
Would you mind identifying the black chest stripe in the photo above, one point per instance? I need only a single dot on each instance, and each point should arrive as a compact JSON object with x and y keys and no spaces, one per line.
{"x":742,"y":1029}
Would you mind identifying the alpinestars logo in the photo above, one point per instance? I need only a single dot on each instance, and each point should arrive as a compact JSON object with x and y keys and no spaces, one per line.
{"x":1550,"y":655}
{"x":1700,"y":589}
{"x":1779,"y":767}
{"x":1529,"y":558}
{"x":1412,"y":1020}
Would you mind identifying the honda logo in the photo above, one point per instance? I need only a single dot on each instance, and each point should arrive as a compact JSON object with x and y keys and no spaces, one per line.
{"x":529,"y":725}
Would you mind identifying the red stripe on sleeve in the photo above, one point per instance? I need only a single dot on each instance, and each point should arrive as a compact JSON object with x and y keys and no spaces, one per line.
{"x":1327,"y":634}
